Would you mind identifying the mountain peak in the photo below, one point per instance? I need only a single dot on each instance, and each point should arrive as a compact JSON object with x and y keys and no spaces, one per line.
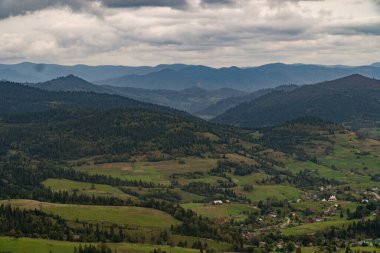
{"x":69,"y":83}
{"x":353,"y":81}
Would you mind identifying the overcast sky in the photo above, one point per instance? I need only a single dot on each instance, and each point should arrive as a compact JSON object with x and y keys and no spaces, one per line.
{"x":209,"y":32}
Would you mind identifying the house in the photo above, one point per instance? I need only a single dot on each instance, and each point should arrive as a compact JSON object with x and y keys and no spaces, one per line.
{"x":280,"y":245}
{"x":367,"y":242}
{"x":273,"y":215}
{"x":365,"y":201}
{"x":227,"y":201}
{"x":217,"y":202}
{"x":323,"y":200}
{"x":333,"y":198}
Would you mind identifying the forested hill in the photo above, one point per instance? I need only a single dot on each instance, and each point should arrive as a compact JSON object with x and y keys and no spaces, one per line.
{"x":117,"y":133}
{"x":19,"y":98}
{"x":351,"y":100}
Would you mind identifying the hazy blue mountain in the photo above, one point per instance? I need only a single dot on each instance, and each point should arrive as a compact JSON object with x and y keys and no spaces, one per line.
{"x":181,"y":76}
{"x":191,"y":99}
{"x":247,"y":79}
{"x":31,"y":72}
{"x":352,"y":100}
{"x":203,"y":77}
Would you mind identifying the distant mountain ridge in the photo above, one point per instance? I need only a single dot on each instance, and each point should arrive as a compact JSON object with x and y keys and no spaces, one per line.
{"x":191,"y":99}
{"x":33,"y":72}
{"x":351,"y":100}
{"x":181,"y":76}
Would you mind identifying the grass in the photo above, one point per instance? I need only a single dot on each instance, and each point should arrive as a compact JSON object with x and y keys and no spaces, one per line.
{"x":211,"y":244}
{"x":345,"y":154}
{"x":125,"y":215}
{"x":327,"y":172}
{"x":263,"y":192}
{"x":150,"y":171}
{"x":239,"y":158}
{"x":231,"y":210}
{"x":23,"y":245}
{"x":248,"y":179}
{"x":311,"y":228}
{"x":98,"y":190}
{"x":360,"y":249}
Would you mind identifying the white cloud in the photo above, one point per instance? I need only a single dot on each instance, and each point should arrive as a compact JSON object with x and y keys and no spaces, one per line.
{"x":210,"y":32}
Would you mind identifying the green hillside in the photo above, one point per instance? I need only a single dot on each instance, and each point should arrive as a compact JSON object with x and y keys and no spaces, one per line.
{"x":353,"y":100}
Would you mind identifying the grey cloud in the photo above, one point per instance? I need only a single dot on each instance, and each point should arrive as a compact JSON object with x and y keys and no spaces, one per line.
{"x":20,"y":7}
{"x":136,"y":36}
{"x":366,"y":29}
{"x":217,"y":1}
{"x":142,"y":3}
{"x":10,"y":8}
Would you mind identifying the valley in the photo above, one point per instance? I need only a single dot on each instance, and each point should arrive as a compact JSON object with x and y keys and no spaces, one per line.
{"x":141,"y":180}
{"x":189,"y":126}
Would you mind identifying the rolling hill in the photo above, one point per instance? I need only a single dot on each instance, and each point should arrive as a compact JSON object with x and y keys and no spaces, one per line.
{"x":19,"y":98}
{"x":227,"y":103}
{"x":352,"y":100}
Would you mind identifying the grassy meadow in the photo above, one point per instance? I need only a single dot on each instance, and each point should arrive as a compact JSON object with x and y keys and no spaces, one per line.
{"x":97,"y":190}
{"x":123,"y":215}
{"x":29,"y":245}
{"x":158,"y":172}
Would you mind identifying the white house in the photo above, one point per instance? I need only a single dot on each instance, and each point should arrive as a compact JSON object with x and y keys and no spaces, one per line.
{"x":332,"y":198}
{"x":217,"y":202}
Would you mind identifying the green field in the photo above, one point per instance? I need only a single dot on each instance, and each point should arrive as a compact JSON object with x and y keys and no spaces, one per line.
{"x":28,"y":245}
{"x":311,"y":228}
{"x":248,"y":179}
{"x":216,"y":245}
{"x":158,"y":172}
{"x":230,"y":210}
{"x":125,"y":215}
{"x":327,"y":172}
{"x":98,"y":190}
{"x":263,"y":192}
{"x":319,"y":206}
{"x":346,"y":155}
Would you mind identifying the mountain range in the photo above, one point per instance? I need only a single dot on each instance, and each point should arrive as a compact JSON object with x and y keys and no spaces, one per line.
{"x":181,"y":76}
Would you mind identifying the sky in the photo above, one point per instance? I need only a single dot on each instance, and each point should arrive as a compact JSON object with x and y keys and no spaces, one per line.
{"x":208,"y":32}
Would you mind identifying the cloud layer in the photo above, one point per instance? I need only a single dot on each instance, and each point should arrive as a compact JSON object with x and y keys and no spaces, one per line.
{"x":210,"y":32}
